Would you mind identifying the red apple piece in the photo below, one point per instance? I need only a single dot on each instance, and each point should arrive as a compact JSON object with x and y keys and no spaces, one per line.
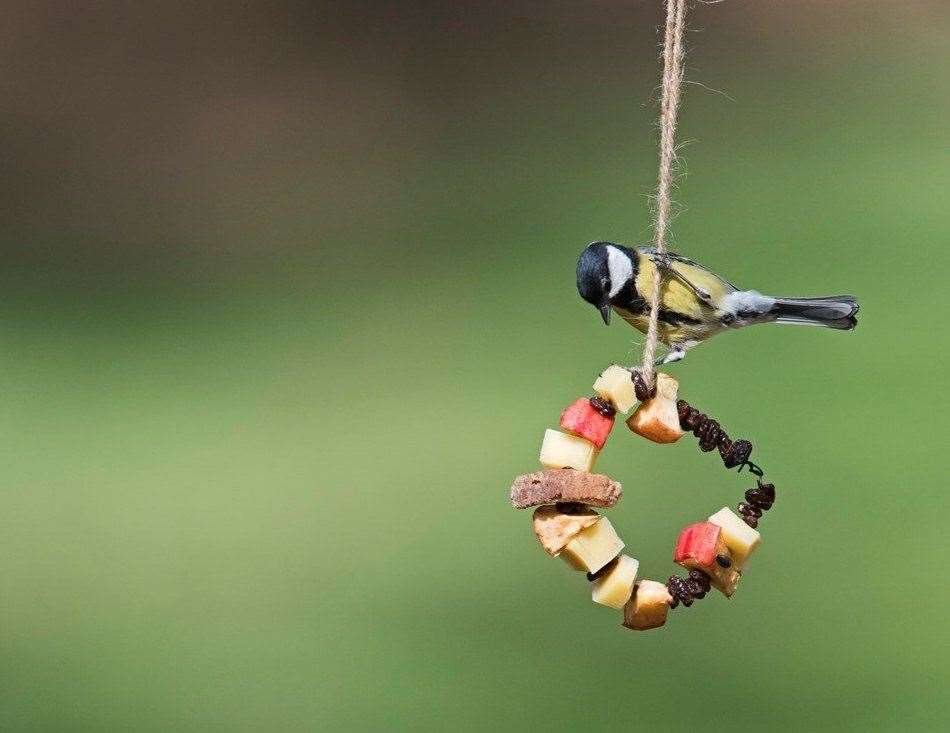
{"x":697,"y":543}
{"x":701,"y":546}
{"x":582,"y":419}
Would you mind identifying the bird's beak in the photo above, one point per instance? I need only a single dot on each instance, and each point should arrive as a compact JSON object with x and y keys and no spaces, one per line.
{"x":605,"y":313}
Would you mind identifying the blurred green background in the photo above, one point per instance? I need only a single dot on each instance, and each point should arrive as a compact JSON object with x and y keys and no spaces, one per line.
{"x":288,"y":300}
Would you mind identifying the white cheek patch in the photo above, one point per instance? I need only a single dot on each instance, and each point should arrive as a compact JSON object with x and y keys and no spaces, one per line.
{"x":620,"y":268}
{"x":746,"y":301}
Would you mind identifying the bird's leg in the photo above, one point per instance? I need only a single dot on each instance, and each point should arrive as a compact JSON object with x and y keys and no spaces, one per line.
{"x":676,"y":353}
{"x":665,"y":265}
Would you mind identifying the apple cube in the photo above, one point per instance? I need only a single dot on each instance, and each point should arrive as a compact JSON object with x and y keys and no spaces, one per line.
{"x":555,"y":526}
{"x":593,"y":547}
{"x":657,"y":419}
{"x":701,"y":546}
{"x":698,"y":543}
{"x":739,"y":537}
{"x":615,"y":586}
{"x":582,"y":419}
{"x":648,"y":606}
{"x":560,"y":450}
{"x":614,"y":384}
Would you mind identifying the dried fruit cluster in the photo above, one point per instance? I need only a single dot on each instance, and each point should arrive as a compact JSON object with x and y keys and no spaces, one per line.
{"x":711,"y":435}
{"x":714,"y":552}
{"x":733,"y":453}
{"x":687,"y":590}
{"x":757,"y":500}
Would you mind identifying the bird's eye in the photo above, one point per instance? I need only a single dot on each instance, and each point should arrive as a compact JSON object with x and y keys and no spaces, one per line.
{"x":605,"y":283}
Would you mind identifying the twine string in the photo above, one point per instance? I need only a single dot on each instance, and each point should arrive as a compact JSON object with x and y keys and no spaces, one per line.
{"x":673,"y":53}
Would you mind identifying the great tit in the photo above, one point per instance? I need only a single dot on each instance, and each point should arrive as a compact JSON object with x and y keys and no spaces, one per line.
{"x":695,"y":303}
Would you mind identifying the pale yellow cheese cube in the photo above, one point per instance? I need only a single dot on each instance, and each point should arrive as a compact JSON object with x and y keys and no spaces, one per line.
{"x":560,"y":450}
{"x":667,"y":386}
{"x":739,"y":537}
{"x":593,"y":547}
{"x":615,"y":586}
{"x":614,"y":384}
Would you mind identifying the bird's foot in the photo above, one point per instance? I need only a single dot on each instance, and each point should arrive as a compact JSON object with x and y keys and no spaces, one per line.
{"x":676,"y":353}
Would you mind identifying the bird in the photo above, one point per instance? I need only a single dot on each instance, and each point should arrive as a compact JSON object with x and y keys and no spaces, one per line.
{"x":696,"y":303}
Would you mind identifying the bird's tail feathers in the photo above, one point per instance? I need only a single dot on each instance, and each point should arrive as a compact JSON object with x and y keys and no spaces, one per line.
{"x":832,"y":311}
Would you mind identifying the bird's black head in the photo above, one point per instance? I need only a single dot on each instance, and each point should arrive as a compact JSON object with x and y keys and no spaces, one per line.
{"x":604,"y":270}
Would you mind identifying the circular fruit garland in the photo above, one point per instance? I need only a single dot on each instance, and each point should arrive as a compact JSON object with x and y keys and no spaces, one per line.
{"x":715,"y":552}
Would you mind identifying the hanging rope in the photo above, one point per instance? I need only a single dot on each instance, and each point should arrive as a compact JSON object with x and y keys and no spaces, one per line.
{"x":673,"y":53}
